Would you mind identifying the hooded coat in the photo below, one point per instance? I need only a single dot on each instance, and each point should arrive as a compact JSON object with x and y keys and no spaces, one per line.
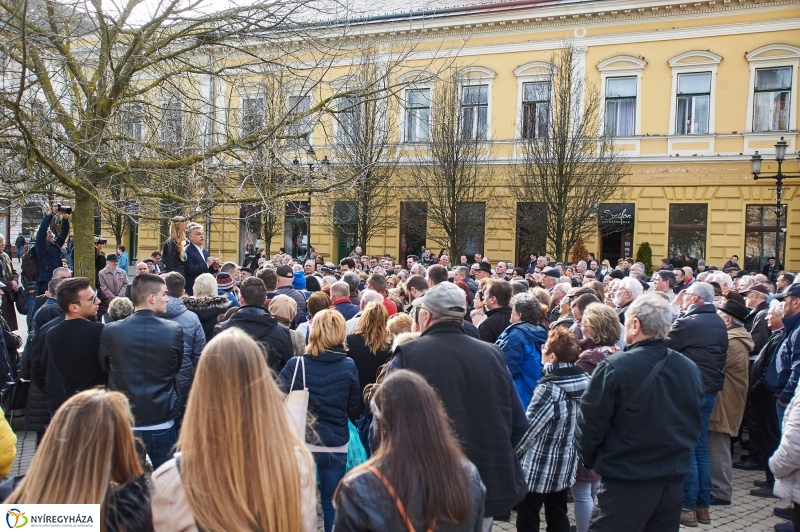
{"x":729,"y":408}
{"x":207,"y":309}
{"x":194,"y":338}
{"x":521,"y":344}
{"x":264,"y":329}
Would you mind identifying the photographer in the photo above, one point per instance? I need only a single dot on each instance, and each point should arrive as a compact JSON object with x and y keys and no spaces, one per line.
{"x":48,"y":246}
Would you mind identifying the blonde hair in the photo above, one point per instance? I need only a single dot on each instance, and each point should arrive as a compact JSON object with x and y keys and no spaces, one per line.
{"x":205,"y":285}
{"x":177,"y":231}
{"x":372,"y":326}
{"x":88,"y":446}
{"x":120,"y":308}
{"x":604,"y":323}
{"x":239,"y":465}
{"x":327,"y":330}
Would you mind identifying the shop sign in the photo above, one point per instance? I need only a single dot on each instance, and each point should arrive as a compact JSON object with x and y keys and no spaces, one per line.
{"x":616,"y":216}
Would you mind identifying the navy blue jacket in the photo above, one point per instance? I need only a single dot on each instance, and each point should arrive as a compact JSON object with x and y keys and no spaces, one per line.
{"x":346,"y":308}
{"x":49,"y":255}
{"x":333,"y":388}
{"x":783,"y":372}
{"x":195,"y":266}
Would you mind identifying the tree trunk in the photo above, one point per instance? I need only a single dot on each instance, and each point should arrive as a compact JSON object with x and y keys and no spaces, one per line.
{"x":82,"y":221}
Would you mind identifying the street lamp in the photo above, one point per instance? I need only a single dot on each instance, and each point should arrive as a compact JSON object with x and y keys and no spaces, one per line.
{"x":755,"y":167}
{"x":314,"y":169}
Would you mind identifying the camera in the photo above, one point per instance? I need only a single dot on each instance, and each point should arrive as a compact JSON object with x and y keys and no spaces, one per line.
{"x":66,"y":209}
{"x":102,"y":241}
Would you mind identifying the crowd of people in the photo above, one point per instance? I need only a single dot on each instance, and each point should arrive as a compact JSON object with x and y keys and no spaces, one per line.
{"x":440,"y":395}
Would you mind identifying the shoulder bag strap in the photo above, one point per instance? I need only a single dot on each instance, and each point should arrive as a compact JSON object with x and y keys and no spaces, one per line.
{"x":300,"y":362}
{"x":400,"y":507}
{"x":643,"y":386}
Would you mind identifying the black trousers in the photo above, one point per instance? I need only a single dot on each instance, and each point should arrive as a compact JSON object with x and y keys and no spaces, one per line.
{"x":767,"y":434}
{"x":555,"y":512}
{"x":638,"y":505}
{"x":796,"y":516}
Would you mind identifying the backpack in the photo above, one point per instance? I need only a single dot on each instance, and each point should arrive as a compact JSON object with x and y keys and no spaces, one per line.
{"x":30,"y":264}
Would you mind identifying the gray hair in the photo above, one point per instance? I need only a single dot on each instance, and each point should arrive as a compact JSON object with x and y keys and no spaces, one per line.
{"x":341,"y":289}
{"x":702,"y":290}
{"x":191,"y":227}
{"x":632,"y":286}
{"x":369,"y":295}
{"x":519,"y":287}
{"x":463,"y":270}
{"x":776,"y":307}
{"x":352,"y":279}
{"x":528,"y":307}
{"x":636,"y":274}
{"x":564,"y":287}
{"x":654,"y":315}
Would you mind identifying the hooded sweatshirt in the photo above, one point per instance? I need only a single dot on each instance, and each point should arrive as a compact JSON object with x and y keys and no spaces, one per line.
{"x":521,"y":344}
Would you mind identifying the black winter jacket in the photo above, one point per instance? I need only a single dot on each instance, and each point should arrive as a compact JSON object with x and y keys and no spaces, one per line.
{"x":654,"y":437}
{"x":207,"y":309}
{"x":173,"y":262}
{"x":264,"y":329}
{"x":43,"y":372}
{"x":367,"y":363}
{"x":760,"y":398}
{"x":145,"y":360}
{"x":332,"y":382}
{"x":702,"y":337}
{"x":495,"y":323}
{"x":37,"y":415}
{"x":758,"y":327}
{"x":364,"y":504}
{"x":481,"y":400}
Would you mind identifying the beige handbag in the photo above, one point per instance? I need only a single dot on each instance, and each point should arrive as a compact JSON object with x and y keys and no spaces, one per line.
{"x":297,"y":403}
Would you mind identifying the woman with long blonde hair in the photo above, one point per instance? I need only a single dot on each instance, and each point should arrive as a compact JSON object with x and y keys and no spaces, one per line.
{"x":88,"y":456}
{"x":241,"y":466}
{"x":332,"y":381}
{"x":369,"y":344}
{"x":174,"y":250}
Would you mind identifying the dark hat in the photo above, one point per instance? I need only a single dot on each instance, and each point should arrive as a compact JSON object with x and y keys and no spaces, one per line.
{"x":112,"y":258}
{"x":285,"y":271}
{"x":792,"y":290}
{"x":552,"y":272}
{"x":617,"y":274}
{"x":740,"y":273}
{"x":701,"y":262}
{"x":734,"y":309}
{"x":761,"y":288}
{"x":485,"y":266}
{"x":247,"y":269}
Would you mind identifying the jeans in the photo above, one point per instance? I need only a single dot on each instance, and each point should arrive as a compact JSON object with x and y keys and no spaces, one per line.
{"x":781,"y":411}
{"x":331,"y":468}
{"x":697,"y":485}
{"x":19,"y":252}
{"x":583,"y":493}
{"x":158,"y":444}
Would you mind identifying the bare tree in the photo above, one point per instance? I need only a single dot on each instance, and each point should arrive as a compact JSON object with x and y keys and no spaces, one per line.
{"x":362,"y":152}
{"x":567,"y":164}
{"x":450,"y":171}
{"x":168,"y":99}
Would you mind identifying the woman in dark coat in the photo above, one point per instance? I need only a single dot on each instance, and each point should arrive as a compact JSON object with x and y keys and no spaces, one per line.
{"x":369,"y":345}
{"x":206,"y":303}
{"x":37,"y":416}
{"x":174,"y":251}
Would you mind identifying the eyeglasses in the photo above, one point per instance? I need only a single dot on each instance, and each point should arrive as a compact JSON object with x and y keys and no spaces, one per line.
{"x":92,"y":300}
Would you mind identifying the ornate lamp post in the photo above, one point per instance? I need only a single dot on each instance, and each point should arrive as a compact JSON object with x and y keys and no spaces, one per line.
{"x":780,"y":156}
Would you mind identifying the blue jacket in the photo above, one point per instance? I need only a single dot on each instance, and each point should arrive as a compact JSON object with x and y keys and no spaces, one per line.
{"x":194,"y":338}
{"x":49,"y":256}
{"x":333,"y":387}
{"x":782,"y":374}
{"x":123,"y":262}
{"x":346,"y":309}
{"x":522,"y":347}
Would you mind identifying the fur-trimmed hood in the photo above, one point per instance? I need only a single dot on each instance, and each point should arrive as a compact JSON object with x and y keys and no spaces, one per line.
{"x":203,"y":303}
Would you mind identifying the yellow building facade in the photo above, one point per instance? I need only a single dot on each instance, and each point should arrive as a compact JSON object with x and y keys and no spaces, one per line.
{"x":690,"y":90}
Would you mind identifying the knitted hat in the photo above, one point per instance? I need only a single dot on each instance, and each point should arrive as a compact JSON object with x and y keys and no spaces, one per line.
{"x":283,"y":308}
{"x":299,"y":282}
{"x":224,"y":282}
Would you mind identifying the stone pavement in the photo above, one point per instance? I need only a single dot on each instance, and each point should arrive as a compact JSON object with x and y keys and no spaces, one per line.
{"x":746,"y":514}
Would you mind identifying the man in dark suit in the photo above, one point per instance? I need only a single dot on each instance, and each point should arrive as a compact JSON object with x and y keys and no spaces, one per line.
{"x":198,"y":260}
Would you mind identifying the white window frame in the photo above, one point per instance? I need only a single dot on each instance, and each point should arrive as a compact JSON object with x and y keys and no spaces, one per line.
{"x":162,"y":141}
{"x":404,"y":113}
{"x":250,"y":93}
{"x":766,"y":57}
{"x":416,"y":80}
{"x":536,"y":71}
{"x":709,"y":63}
{"x":474,"y":76}
{"x":297,"y":92}
{"x":630,"y":67}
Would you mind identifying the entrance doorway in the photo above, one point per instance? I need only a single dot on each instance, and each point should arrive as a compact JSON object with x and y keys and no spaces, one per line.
{"x":616,"y":245}
{"x":615,"y":221}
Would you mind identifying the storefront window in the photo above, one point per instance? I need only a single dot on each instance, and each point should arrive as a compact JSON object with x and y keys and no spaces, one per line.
{"x":471,"y":220}
{"x":759,"y":237}
{"x":413,"y":227}
{"x":531,"y":230}
{"x":295,"y":233}
{"x":687,"y":233}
